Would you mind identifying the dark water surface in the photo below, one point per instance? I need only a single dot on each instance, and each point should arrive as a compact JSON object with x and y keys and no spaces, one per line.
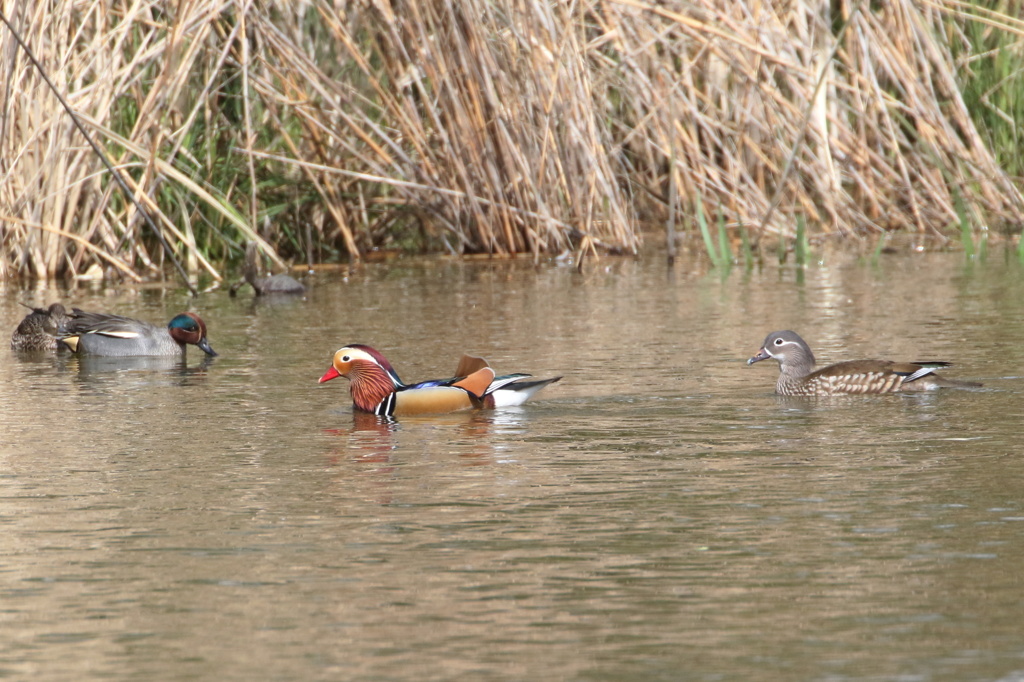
{"x":657,"y":515}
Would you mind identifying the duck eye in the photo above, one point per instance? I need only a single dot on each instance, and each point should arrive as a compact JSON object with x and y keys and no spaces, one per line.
{"x":778,"y":342}
{"x":346,"y":358}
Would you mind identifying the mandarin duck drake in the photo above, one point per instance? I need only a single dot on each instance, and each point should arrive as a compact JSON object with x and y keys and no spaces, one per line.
{"x":39,"y":329}
{"x":376,"y":388}
{"x":797,"y":376}
{"x":115,"y":336}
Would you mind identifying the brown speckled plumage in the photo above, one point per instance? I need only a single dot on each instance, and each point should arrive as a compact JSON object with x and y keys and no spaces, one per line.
{"x":38,"y":331}
{"x":797,"y":376}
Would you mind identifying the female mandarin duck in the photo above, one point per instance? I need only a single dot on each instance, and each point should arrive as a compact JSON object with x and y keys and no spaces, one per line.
{"x":115,"y":336}
{"x":376,"y":387}
{"x":797,"y":376}
{"x":38,"y":331}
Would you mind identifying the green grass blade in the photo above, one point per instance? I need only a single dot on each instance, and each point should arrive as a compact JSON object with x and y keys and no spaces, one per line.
{"x":705,"y":233}
{"x":723,"y":240}
{"x":966,"y":238}
{"x":800,"y":248}
{"x":879,"y":246}
{"x":748,"y":253}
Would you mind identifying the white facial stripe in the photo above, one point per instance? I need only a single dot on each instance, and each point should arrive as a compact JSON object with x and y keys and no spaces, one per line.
{"x":778,"y":345}
{"x":353,"y":354}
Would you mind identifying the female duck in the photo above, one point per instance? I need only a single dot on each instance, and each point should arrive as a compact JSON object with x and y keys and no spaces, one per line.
{"x":116,"y":336}
{"x":798,"y":377}
{"x":265,"y":286}
{"x":376,"y":387}
{"x":38,"y":331}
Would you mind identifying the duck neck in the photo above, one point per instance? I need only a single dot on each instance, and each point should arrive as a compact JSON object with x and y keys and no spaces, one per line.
{"x":370,"y":386}
{"x":797,"y":366}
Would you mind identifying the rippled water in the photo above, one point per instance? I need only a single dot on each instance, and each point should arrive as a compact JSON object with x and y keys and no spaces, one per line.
{"x":658,"y":514}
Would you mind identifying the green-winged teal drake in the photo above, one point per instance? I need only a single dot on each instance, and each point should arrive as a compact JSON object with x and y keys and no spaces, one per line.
{"x":798,"y":377}
{"x":115,"y":336}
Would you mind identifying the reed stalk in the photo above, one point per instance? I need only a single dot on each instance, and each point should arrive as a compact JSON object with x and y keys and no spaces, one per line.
{"x":325,"y":130}
{"x":800,"y":244}
{"x":966,"y":234}
{"x":724,"y":247}
{"x":748,"y":252}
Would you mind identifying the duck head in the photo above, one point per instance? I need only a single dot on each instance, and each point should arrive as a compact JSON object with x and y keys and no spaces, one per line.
{"x":372,"y":376}
{"x":190,"y":328}
{"x":789,"y":349}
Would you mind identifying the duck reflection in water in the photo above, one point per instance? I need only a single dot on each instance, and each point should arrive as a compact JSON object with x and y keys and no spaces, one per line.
{"x":102,"y":374}
{"x":378,"y":458}
{"x":474,"y":438}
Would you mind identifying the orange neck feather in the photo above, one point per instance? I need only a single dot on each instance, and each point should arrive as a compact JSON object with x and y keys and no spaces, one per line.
{"x":370,"y":386}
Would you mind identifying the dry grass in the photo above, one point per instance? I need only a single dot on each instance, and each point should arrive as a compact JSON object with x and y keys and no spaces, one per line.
{"x":329,"y":128}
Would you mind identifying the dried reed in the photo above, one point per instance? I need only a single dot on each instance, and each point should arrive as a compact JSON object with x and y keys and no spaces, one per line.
{"x":325,"y":129}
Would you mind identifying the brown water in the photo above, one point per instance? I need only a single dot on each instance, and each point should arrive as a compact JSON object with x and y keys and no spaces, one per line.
{"x":658,"y":514}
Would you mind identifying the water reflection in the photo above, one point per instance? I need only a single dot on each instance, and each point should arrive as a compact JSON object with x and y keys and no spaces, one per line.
{"x":475,"y":436}
{"x":89,"y":366}
{"x":658,"y":513}
{"x":371,"y":439}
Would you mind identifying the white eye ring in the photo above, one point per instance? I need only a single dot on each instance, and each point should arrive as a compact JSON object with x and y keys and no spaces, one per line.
{"x":346,"y":358}
{"x":778,"y":342}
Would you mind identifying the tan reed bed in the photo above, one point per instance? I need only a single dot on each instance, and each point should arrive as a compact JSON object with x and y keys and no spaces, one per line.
{"x":481,"y":126}
{"x":140,"y":85}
